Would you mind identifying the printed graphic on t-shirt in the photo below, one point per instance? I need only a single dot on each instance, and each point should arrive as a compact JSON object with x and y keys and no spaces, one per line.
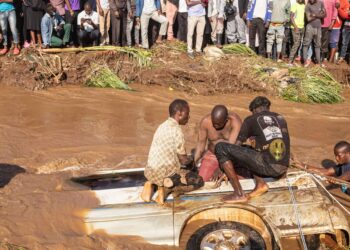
{"x":277,"y":149}
{"x":270,"y":127}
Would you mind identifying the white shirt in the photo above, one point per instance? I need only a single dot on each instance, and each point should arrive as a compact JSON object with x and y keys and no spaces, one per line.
{"x":149,"y":6}
{"x":260,"y":9}
{"x":182,"y":6}
{"x":93,"y":16}
{"x":104,"y":4}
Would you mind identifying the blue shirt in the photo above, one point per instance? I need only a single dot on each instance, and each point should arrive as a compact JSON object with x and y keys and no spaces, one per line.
{"x":6,"y":7}
{"x":340,"y":170}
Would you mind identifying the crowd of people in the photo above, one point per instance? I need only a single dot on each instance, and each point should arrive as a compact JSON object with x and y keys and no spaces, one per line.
{"x":226,"y":148}
{"x":285,"y":29}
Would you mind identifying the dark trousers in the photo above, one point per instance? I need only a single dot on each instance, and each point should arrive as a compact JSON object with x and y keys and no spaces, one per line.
{"x":73,"y":21}
{"x":287,"y":42}
{"x":88,"y":37}
{"x":247,"y":158}
{"x":118,"y":26}
{"x":325,"y":42}
{"x":257,"y":26}
{"x":182,"y":26}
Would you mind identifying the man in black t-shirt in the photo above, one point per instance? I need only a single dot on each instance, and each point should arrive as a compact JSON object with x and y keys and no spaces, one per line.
{"x":268,"y":158}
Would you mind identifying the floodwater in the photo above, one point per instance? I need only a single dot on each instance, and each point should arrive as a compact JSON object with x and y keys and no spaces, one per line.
{"x":48,"y":136}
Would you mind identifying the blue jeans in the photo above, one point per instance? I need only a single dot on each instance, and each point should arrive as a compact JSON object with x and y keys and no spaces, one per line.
{"x":345,"y":42}
{"x":5,"y":18}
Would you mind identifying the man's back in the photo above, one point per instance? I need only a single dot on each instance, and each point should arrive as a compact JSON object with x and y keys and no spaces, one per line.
{"x":271,"y":136}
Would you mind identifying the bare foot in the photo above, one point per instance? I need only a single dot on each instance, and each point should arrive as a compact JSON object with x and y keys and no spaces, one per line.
{"x":233,"y":198}
{"x":147,"y":192}
{"x":259,"y":190}
{"x":159,"y":200}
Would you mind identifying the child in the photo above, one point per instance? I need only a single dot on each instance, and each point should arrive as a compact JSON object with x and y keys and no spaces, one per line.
{"x":342,"y":170}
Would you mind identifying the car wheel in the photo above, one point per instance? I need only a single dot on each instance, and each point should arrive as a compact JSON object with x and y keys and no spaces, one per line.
{"x":226,"y":236}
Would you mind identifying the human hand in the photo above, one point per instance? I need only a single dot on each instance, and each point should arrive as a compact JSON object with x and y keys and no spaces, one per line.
{"x":88,"y":21}
{"x":211,"y":19}
{"x":159,"y":12}
{"x":244,"y":17}
{"x":221,"y":19}
{"x":116,"y":13}
{"x":100,"y":12}
{"x":296,"y":30}
{"x":71,"y":12}
{"x":138,"y":21}
{"x":267,"y":24}
{"x":249,"y":24}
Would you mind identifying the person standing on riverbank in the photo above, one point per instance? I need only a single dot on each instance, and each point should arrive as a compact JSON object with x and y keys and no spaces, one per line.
{"x":8,"y":17}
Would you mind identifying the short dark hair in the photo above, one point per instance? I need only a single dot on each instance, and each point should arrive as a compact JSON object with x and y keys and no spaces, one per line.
{"x":259,"y":101}
{"x":342,"y":144}
{"x":49,"y":7}
{"x":177,"y":105}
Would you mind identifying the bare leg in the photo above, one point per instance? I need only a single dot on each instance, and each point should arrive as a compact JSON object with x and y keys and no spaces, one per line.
{"x":39,"y":40}
{"x":332,"y":54}
{"x":260,"y":187}
{"x":238,"y":194}
{"x":147,"y":192}
{"x":32,"y":37}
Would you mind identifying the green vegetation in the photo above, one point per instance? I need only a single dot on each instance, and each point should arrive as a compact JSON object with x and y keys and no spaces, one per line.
{"x":103,"y":77}
{"x":237,"y":48}
{"x":315,"y":85}
{"x":9,"y":246}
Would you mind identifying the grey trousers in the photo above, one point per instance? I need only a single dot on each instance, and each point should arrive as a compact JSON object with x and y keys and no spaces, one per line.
{"x":312,"y":34}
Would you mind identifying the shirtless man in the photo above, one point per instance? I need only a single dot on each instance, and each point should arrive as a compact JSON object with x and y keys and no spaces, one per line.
{"x":219,"y":126}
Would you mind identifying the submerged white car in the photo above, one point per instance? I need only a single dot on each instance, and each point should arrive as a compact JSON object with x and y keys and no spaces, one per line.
{"x":294,"y":214}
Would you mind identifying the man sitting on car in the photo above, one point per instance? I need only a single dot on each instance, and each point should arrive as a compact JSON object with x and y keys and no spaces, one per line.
{"x":167,"y":155}
{"x":268,"y":158}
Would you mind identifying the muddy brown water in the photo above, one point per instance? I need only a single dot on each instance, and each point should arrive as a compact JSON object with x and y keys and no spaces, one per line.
{"x":48,"y":136}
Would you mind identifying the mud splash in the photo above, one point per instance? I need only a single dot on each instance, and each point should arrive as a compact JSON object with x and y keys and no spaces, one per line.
{"x":51,"y":135}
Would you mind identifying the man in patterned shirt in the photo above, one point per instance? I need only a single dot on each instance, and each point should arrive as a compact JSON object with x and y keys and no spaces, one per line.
{"x":167,"y":155}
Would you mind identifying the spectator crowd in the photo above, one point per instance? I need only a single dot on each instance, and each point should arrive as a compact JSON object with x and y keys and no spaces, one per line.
{"x":291,"y":30}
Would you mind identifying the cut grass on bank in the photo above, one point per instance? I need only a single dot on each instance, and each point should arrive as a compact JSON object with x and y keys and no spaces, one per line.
{"x":103,"y":77}
{"x":237,"y":48}
{"x":315,"y":85}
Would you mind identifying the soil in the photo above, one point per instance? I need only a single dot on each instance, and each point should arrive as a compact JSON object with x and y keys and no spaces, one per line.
{"x":46,"y":137}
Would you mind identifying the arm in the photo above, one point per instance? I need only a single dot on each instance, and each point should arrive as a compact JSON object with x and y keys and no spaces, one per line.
{"x":210,"y":8}
{"x":6,"y":1}
{"x":45,"y":32}
{"x":99,"y":8}
{"x":237,"y":124}
{"x":344,"y":10}
{"x":322,"y":14}
{"x":324,"y":171}
{"x":69,"y":7}
{"x":250,"y":10}
{"x":244,"y":133}
{"x":192,"y":3}
{"x":345,"y":176}
{"x":138,"y":8}
{"x":287,"y":11}
{"x":222,"y":9}
{"x":112,"y":5}
{"x":269,"y":11}
{"x":292,"y":18}
{"x":202,"y":141}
